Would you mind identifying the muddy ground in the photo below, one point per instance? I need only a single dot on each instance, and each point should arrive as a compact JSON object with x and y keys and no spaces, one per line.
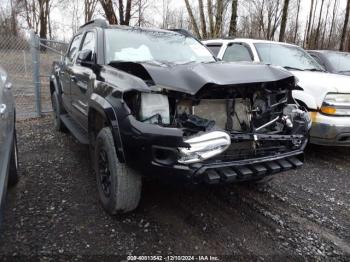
{"x":54,"y":212}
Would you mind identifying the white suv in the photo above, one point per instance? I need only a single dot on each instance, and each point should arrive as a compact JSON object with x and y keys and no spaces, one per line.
{"x":325,"y":95}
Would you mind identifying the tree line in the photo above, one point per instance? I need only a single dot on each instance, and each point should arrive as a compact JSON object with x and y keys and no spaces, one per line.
{"x":326,"y":25}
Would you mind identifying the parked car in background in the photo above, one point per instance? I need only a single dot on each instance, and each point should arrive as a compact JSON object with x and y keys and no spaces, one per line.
{"x":333,"y":61}
{"x":8,"y":139}
{"x":157,"y":103}
{"x":325,"y":95}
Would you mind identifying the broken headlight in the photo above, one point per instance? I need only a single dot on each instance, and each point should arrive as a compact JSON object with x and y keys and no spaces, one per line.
{"x":204,"y":147}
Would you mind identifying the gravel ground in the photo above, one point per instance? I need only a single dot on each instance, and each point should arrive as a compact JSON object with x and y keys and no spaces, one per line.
{"x":54,"y":212}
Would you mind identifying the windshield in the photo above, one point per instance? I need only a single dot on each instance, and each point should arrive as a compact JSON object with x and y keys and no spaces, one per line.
{"x":339,"y":61}
{"x":137,"y":45}
{"x":290,"y":57}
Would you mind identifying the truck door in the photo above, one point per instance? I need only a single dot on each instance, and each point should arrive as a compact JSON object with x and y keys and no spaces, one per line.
{"x":83,"y":79}
{"x":66,"y":71}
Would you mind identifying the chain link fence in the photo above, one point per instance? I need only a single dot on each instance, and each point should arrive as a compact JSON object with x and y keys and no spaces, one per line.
{"x":28,"y":63}
{"x":48,"y":52}
{"x":15,"y":58}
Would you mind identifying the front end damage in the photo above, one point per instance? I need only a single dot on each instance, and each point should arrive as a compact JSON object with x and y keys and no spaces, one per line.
{"x":222,"y":133}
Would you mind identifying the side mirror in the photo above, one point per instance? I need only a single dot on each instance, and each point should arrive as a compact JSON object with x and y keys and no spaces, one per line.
{"x":85,"y":58}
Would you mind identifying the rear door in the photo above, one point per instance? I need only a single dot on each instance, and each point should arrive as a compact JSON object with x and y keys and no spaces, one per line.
{"x":82,"y":81}
{"x":66,"y":71}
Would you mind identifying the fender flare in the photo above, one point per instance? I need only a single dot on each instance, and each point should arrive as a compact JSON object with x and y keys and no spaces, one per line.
{"x":57,"y":88}
{"x":104,"y":108}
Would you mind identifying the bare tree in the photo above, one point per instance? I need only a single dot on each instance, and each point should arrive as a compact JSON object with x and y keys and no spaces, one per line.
{"x":43,"y":17}
{"x":140,"y":6}
{"x":233,"y":22}
{"x":108,"y":9}
{"x":319,"y":24}
{"x":202,"y":18}
{"x":345,"y":27}
{"x":219,"y":17}
{"x":325,"y":25}
{"x":284,"y":20}
{"x":193,"y":20}
{"x":297,"y":22}
{"x":309,"y":25}
{"x":335,"y":9}
{"x":14,"y":26}
{"x":211,"y":18}
{"x":89,"y":9}
{"x":124,"y":15}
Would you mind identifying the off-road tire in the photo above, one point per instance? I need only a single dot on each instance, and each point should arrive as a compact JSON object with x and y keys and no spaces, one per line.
{"x":57,"y":112}
{"x":13,"y":173}
{"x":124,"y":183}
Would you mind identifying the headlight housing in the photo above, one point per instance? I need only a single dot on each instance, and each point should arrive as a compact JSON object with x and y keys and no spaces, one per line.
{"x":204,"y":147}
{"x":336,"y":105}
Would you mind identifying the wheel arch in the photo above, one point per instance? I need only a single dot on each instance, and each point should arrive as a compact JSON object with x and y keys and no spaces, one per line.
{"x":102,"y":114}
{"x":54,"y":85}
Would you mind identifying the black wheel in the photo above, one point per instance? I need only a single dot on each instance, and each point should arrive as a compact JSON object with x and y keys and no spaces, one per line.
{"x":119,"y":186}
{"x":57,"y":112}
{"x":13,"y":175}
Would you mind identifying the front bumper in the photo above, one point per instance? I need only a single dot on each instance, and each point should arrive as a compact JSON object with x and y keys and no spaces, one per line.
{"x":330,"y":130}
{"x":152,"y":150}
{"x":252,"y":169}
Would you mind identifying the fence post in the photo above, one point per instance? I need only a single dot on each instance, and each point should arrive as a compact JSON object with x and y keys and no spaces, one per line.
{"x":35,"y":49}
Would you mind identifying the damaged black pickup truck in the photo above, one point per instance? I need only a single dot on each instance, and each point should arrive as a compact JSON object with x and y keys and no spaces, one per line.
{"x":155,"y":102}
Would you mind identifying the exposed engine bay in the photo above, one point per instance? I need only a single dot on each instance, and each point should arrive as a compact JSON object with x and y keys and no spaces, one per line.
{"x":227,"y":123}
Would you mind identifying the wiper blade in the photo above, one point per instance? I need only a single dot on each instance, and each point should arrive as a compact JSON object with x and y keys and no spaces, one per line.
{"x":314,"y":70}
{"x":292,"y":68}
{"x":186,"y":63}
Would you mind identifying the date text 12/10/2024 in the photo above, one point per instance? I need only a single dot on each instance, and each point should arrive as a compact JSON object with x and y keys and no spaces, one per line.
{"x":173,"y":258}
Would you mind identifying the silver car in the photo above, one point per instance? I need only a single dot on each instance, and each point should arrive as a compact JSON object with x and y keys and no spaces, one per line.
{"x":8,"y":141}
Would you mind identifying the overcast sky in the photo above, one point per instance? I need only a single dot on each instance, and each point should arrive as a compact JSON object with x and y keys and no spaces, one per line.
{"x":62,"y":16}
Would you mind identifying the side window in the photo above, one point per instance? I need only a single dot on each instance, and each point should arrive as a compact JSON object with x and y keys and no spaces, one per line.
{"x":236,"y":52}
{"x":214,"y":48}
{"x":317,"y":59}
{"x":89,"y":42}
{"x":73,"y":49}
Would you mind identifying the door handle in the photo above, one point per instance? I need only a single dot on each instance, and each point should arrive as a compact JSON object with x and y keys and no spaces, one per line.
{"x":3,"y":110}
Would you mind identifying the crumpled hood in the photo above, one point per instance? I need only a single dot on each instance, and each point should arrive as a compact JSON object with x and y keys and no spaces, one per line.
{"x":190,"y":78}
{"x":318,"y":84}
